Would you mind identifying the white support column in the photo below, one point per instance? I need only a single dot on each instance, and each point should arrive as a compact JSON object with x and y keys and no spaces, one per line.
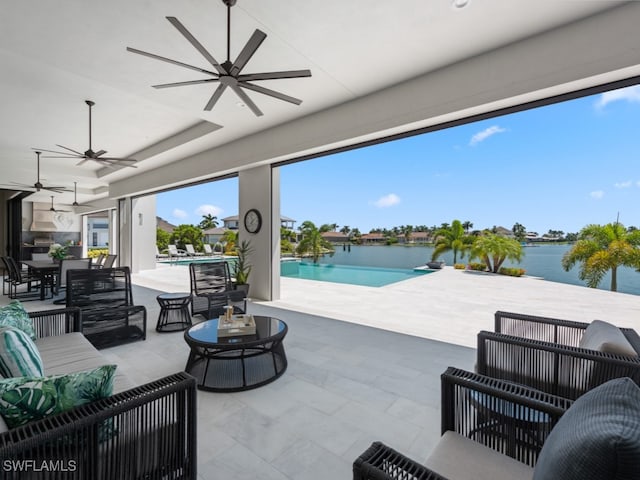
{"x":143,"y":233}
{"x":259,"y":188}
{"x":124,"y":232}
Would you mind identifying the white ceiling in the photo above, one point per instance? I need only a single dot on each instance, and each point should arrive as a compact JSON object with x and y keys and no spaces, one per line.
{"x":56,"y":54}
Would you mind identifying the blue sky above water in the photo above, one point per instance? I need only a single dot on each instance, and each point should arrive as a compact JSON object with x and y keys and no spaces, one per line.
{"x":557,"y":167}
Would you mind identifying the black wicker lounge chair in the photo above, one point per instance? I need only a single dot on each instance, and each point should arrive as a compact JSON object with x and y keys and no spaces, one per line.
{"x":556,"y":356}
{"x":212,"y":290}
{"x":109,"y":316}
{"x":511,"y":420}
{"x":597,"y":437}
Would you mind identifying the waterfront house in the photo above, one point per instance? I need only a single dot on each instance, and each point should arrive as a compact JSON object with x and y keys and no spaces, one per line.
{"x":335,"y":237}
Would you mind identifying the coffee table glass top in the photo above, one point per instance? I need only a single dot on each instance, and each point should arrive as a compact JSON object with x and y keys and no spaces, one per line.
{"x":266,"y":327}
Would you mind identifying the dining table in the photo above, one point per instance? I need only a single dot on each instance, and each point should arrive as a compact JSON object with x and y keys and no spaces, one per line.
{"x":46,"y":271}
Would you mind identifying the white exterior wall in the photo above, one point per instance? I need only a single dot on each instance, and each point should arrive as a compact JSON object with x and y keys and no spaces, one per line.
{"x":259,"y":188}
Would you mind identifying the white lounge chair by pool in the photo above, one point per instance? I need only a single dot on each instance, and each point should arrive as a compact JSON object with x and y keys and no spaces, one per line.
{"x":175,"y":251}
{"x":191,"y":251}
{"x":210,"y":252}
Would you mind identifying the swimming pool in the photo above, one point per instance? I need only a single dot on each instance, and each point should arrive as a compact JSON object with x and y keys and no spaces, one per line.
{"x":350,"y":274}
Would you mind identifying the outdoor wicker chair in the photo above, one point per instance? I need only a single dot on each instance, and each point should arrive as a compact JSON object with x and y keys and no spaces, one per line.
{"x":109,"y":316}
{"x":212,"y":290}
{"x":561,"y":357}
{"x":581,"y":440}
{"x":497,"y":418}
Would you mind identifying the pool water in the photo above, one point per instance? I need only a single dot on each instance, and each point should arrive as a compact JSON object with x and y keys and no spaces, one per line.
{"x":350,"y":274}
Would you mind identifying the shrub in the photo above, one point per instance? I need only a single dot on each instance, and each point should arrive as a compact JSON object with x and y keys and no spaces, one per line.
{"x":459,"y":266}
{"x":95,"y":252}
{"x":480,"y":267}
{"x":512,"y":272}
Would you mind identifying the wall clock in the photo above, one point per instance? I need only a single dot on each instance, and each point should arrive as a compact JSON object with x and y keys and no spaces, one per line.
{"x":252,"y":221}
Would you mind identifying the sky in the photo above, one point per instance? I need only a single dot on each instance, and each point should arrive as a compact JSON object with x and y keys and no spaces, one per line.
{"x":558,"y":167}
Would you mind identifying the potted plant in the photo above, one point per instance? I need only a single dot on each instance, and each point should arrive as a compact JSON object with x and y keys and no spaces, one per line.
{"x":57,"y":252}
{"x":242,"y":267}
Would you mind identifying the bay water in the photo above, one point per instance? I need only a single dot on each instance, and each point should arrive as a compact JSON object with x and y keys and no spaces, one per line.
{"x":542,"y":261}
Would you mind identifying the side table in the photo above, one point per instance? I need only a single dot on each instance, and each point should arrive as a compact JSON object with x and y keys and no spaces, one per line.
{"x":174,"y":312}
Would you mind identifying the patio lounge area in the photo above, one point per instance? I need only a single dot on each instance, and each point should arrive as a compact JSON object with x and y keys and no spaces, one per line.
{"x":347,"y":384}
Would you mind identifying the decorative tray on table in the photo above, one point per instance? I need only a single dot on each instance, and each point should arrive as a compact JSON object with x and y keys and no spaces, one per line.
{"x":238,"y":325}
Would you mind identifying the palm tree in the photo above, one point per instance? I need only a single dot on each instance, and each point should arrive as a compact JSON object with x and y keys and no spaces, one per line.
{"x":208,"y":221}
{"x":494,"y":250}
{"x":407,"y":230}
{"x":312,"y":242}
{"x":467,"y":226}
{"x":230,"y":239}
{"x":451,"y":238}
{"x":603,"y":248}
{"x":519,"y":231}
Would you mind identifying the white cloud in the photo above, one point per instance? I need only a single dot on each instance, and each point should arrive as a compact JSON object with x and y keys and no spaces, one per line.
{"x":598,"y":194}
{"x":486,"y":133}
{"x":387,"y":201}
{"x":626,"y":184}
{"x":177,"y":213}
{"x":208,"y":210}
{"x":629,"y":94}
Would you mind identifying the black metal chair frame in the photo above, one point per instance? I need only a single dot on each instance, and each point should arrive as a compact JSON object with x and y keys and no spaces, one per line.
{"x":543,"y":353}
{"x":460,"y":390}
{"x":17,"y":278}
{"x":61,"y":278}
{"x":212,"y":290}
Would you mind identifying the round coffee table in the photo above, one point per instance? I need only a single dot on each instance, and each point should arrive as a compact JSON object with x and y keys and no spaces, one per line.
{"x":174,"y":312}
{"x":243,"y":362}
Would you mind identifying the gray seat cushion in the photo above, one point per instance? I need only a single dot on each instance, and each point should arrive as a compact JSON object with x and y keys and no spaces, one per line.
{"x":598,"y":438}
{"x":73,"y":353}
{"x":460,"y":458}
{"x":607,"y":338}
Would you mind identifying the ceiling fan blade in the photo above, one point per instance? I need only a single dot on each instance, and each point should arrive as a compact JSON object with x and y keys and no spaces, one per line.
{"x":56,"y":189}
{"x":215,"y":97}
{"x":271,"y":93}
{"x":70,"y":149}
{"x":274,"y":75}
{"x":247,"y":101}
{"x":168,"y":60}
{"x":247,"y":52}
{"x":197,"y":45}
{"x":84,"y":160}
{"x":125,"y":162}
{"x":67,"y":154}
{"x":100,"y":152}
{"x":182,"y":84}
{"x":61,"y":156}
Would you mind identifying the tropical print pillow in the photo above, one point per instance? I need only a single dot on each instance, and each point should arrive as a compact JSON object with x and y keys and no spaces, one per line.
{"x":14,"y":315}
{"x":25,"y":399}
{"x":19,"y":356}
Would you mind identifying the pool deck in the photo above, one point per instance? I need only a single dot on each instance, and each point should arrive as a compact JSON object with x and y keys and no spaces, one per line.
{"x":448,"y":305}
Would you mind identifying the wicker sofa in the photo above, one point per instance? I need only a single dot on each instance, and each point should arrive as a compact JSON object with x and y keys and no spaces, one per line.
{"x":141,"y":431}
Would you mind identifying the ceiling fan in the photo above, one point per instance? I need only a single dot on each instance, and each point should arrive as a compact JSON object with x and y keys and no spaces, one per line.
{"x":38,"y":185}
{"x":55,"y":209}
{"x":228,"y":73}
{"x":75,"y":197}
{"x":90,"y":154}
